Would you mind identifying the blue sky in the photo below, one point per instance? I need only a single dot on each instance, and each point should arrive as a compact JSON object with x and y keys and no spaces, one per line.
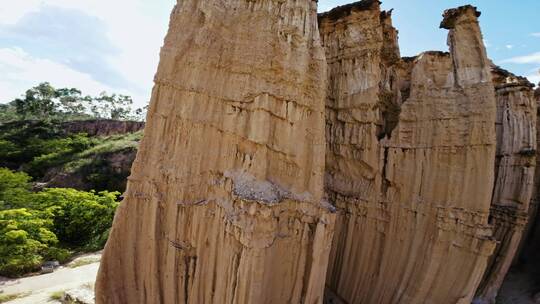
{"x":113,"y":45}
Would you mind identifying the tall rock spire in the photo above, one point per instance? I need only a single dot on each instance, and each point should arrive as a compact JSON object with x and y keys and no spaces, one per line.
{"x":287,"y":153}
{"x":411,"y":150}
{"x":224,"y":203}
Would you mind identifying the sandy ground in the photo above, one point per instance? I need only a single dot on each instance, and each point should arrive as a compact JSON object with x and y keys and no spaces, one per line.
{"x":39,"y":288}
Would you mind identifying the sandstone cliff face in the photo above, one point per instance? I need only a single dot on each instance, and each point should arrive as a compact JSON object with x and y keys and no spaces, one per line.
{"x":521,"y":284}
{"x":286,"y":152}
{"x":514,"y":176}
{"x":535,"y":199}
{"x":414,"y":201}
{"x":224,"y":203}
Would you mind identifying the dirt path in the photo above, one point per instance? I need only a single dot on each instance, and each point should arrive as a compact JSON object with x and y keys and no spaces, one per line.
{"x":39,"y":288}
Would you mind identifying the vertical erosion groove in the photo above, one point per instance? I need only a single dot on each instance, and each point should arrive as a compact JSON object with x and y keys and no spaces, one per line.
{"x":292,"y":158}
{"x":413,"y":185}
{"x":514,"y":176}
{"x":226,"y":193}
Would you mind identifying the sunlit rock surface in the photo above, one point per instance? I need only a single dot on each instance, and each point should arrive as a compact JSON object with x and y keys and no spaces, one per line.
{"x":410,"y":158}
{"x":225,"y":200}
{"x":288,"y":153}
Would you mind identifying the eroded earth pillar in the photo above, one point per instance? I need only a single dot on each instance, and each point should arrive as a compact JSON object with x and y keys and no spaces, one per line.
{"x":224,"y":203}
{"x":411,"y":150}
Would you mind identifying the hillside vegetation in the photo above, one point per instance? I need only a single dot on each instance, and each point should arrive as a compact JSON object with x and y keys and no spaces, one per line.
{"x":64,"y":160}
{"x":55,"y":158}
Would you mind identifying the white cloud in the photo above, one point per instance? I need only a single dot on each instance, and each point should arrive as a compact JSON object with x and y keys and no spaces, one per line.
{"x":535,"y":35}
{"x":15,"y":10}
{"x":137,"y":36}
{"x":20,"y":71}
{"x":527,"y":59}
{"x":135,"y":30}
{"x":509,"y":46}
{"x":535,"y":77}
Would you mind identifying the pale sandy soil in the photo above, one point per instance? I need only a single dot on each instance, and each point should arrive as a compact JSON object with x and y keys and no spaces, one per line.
{"x":39,"y":288}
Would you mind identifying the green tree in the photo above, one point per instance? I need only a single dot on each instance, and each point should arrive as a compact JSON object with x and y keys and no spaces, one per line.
{"x":44,"y":102}
{"x":80,"y":218}
{"x":72,"y":104}
{"x":71,"y":100}
{"x":8,"y":150}
{"x":38,"y":102}
{"x":8,"y":113}
{"x":26,"y":241}
{"x":32,"y":225}
{"x":117,"y":107}
{"x":14,"y":189}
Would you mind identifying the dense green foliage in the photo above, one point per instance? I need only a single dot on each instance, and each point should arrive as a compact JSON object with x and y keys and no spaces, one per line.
{"x":48,"y":224}
{"x":81,"y":218}
{"x":14,"y":189}
{"x":42,"y":147}
{"x":8,"y":112}
{"x":36,"y":144}
{"x":26,"y":240}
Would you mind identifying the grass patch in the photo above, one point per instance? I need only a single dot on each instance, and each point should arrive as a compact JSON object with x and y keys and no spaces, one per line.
{"x":57,"y":295}
{"x":113,"y":143}
{"x":10,"y":297}
{"x":104,"y":145}
{"x":82,"y":262}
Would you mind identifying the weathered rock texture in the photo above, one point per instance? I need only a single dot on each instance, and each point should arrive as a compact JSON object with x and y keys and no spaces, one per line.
{"x":522,"y":283}
{"x":417,"y":190}
{"x":532,"y":222}
{"x":514,"y":176}
{"x":224,"y":203}
{"x":411,"y":150}
{"x":535,"y":202}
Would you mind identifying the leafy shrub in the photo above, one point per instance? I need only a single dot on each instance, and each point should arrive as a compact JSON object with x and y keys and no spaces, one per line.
{"x":80,"y":218}
{"x":31,"y":233}
{"x":37,"y":146}
{"x":7,"y":149}
{"x":56,"y":152}
{"x":14,"y":189}
{"x":25,"y":239}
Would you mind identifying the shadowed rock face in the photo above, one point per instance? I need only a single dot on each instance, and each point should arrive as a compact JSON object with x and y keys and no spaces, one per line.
{"x":224,"y":200}
{"x":413,"y":200}
{"x":286,"y":152}
{"x":514,"y":176}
